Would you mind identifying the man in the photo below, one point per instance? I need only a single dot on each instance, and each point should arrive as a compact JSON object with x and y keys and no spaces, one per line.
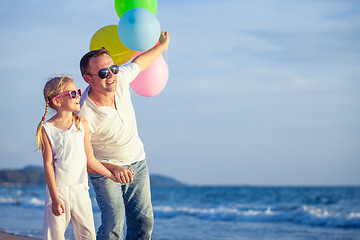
{"x":106,"y":104}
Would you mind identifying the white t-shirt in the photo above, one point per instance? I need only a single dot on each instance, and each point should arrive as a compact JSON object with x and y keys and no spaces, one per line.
{"x":68,"y":154}
{"x":114,"y":134}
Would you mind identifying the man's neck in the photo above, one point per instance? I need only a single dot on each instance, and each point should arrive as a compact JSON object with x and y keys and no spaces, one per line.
{"x":102,"y":99}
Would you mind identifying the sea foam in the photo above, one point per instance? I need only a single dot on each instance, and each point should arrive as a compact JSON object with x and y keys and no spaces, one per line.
{"x":307,"y":215}
{"x":32,"y":202}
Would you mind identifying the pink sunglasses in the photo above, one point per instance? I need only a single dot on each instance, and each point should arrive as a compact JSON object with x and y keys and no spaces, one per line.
{"x":73,"y":94}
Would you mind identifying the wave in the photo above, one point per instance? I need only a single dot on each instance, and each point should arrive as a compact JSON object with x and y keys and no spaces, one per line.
{"x":300,"y":214}
{"x":32,"y":202}
{"x":307,"y":215}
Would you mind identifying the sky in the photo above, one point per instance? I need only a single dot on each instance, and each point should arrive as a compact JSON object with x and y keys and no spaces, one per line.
{"x":259,"y":92}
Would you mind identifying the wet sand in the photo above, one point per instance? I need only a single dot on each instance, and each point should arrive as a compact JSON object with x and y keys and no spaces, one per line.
{"x":5,"y":236}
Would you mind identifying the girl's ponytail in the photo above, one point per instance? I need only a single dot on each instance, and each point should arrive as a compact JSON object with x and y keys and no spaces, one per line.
{"x":39,"y":138}
{"x":77,"y":121}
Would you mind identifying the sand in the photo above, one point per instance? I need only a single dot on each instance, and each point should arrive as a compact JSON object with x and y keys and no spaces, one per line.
{"x":4,"y":236}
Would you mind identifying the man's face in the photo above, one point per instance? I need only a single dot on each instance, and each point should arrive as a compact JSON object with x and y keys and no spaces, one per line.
{"x":99,"y":85}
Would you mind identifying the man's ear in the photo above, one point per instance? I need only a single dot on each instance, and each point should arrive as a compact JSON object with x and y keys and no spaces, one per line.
{"x":87,"y":78}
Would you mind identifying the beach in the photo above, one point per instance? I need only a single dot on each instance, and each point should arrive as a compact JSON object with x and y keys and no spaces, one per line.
{"x":5,"y":236}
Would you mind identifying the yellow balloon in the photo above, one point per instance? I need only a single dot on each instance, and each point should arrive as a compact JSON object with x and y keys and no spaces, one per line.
{"x":108,"y":37}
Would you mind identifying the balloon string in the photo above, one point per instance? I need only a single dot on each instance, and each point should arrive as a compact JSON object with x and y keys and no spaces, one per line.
{"x":166,"y":58}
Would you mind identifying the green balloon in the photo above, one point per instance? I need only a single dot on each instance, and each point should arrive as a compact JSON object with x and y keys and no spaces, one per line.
{"x":122,"y":6}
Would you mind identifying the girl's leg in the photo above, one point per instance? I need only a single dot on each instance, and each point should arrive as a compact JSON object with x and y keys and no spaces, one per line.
{"x":137,"y":197}
{"x":109,"y":198}
{"x":55,"y":226}
{"x":82,"y":218}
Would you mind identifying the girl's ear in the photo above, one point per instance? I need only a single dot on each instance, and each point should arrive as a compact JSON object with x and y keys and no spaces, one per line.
{"x":56,"y":102}
{"x":87,"y":78}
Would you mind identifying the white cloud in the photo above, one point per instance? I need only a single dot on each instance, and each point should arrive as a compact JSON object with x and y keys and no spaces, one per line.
{"x":284,"y":76}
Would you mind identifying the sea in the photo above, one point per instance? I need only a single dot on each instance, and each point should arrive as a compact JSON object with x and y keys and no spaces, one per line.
{"x":215,"y":212}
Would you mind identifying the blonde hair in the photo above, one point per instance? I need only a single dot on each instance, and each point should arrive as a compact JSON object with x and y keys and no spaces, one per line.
{"x":53,"y":87}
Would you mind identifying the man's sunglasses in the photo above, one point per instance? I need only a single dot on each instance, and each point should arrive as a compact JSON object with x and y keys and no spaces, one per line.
{"x":103,"y":73}
{"x":73,"y":94}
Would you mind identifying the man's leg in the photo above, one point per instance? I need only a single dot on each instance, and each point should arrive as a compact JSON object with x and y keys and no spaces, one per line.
{"x":137,"y":198}
{"x":110,"y":201}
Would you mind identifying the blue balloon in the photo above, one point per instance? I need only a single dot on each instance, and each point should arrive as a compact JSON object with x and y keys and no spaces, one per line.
{"x":139,"y":29}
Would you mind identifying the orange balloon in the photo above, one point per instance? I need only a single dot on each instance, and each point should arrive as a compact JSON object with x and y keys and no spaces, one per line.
{"x":158,"y":42}
{"x":108,"y":37}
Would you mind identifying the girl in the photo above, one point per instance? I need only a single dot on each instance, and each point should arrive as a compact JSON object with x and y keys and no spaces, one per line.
{"x":67,"y":152}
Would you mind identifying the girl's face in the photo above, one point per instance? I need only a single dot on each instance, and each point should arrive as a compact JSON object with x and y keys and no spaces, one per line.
{"x":66,"y":102}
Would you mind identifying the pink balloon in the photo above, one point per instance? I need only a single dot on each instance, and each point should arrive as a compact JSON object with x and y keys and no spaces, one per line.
{"x":153,"y":80}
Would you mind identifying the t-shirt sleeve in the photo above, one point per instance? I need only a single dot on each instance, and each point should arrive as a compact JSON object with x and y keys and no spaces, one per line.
{"x":128,"y":72}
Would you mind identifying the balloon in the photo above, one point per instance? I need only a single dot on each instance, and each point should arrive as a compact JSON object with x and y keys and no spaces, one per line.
{"x":108,"y":37}
{"x":153,"y":80}
{"x":139,"y":29}
{"x":122,"y":6}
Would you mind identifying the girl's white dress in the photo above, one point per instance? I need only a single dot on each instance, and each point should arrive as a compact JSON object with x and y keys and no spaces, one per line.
{"x":72,"y":185}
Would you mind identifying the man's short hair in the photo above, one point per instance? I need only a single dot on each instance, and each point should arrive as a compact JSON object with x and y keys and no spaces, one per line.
{"x":84,"y":62}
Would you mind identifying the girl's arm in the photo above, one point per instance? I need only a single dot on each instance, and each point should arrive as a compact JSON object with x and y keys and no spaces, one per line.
{"x":57,"y":205}
{"x":94,"y":165}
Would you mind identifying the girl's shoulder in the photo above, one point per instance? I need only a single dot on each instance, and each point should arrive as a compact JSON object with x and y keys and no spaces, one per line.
{"x":84,"y":123}
{"x":52,"y":122}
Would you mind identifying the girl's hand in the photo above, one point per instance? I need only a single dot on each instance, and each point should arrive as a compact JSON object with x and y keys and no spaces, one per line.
{"x":58,"y":207}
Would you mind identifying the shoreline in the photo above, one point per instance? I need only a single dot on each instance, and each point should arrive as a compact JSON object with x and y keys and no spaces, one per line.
{"x":7,"y":236}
